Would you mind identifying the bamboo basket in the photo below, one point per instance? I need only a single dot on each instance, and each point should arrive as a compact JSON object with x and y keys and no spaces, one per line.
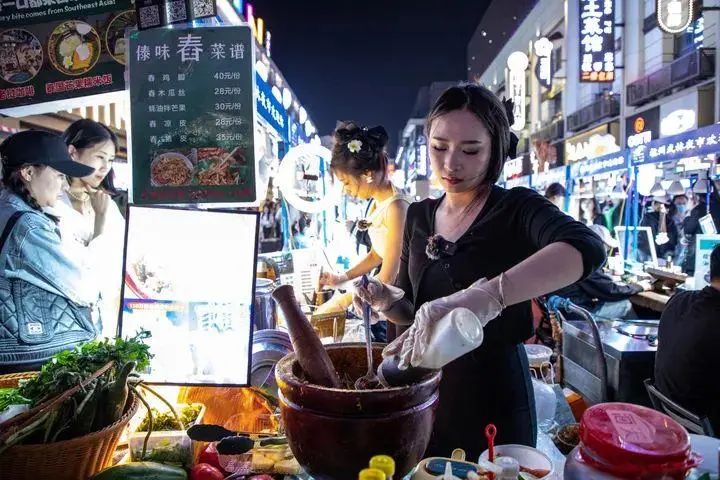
{"x":75,"y":459}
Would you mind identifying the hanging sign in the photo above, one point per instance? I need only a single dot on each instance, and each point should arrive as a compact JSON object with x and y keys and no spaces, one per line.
{"x":674,"y":16}
{"x":517,"y":63}
{"x":597,"y":41}
{"x":422,"y":156}
{"x":53,"y":50}
{"x":270,"y":108}
{"x":543,"y":66}
{"x":596,"y":166}
{"x":703,"y":141}
{"x":192,"y":112}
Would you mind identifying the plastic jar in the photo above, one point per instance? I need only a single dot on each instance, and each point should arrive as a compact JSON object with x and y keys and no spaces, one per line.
{"x":625,"y":441}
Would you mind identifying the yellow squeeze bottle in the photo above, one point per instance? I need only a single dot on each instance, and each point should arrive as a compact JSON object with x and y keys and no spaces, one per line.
{"x":371,"y":474}
{"x":385,"y":464}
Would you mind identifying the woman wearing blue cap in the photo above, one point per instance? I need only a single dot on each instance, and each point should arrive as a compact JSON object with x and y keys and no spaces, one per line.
{"x":44,"y":297}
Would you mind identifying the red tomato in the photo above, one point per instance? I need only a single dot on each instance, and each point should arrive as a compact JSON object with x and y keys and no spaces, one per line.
{"x":210,"y":456}
{"x":203,"y":471}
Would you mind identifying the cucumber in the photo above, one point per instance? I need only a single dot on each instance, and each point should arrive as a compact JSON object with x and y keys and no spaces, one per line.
{"x":142,"y":471}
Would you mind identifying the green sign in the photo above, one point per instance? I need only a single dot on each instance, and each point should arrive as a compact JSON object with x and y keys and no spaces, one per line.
{"x":54,"y":50}
{"x":705,"y":243}
{"x":192,"y":108}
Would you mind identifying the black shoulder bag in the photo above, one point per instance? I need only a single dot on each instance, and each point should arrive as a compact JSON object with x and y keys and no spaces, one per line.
{"x":36,"y":324}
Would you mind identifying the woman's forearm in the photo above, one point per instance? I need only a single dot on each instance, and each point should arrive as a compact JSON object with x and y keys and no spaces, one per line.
{"x":370,"y":261}
{"x":552,"y":268}
{"x":401,"y":313}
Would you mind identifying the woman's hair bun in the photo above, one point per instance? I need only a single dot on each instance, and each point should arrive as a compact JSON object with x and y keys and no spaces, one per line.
{"x":376,"y":137}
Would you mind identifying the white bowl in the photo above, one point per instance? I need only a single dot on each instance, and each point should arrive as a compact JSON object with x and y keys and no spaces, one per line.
{"x":527,"y":457}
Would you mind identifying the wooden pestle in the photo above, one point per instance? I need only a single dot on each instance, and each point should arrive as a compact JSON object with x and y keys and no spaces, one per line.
{"x":309,"y":350}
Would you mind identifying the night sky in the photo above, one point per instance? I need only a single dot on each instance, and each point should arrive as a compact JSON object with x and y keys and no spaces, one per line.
{"x":365,"y":61}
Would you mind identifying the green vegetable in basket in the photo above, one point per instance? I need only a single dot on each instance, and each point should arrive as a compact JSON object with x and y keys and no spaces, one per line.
{"x":142,"y":471}
{"x":11,"y":396}
{"x":95,"y":406}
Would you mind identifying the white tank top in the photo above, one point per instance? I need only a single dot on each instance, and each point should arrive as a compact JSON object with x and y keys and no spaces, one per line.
{"x":378,"y":229}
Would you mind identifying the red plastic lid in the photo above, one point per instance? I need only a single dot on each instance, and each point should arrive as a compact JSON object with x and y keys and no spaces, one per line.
{"x":624,"y":439}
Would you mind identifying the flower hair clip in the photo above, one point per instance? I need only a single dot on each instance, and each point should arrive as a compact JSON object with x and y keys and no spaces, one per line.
{"x":354,"y":146}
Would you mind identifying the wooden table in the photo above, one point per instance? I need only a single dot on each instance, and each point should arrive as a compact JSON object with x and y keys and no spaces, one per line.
{"x":652,"y":300}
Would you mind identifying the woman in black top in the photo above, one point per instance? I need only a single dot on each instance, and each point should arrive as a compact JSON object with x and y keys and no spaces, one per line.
{"x":516,"y":238}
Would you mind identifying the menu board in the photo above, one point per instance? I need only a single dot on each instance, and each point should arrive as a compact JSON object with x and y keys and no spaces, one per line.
{"x":59,"y":49}
{"x":189,"y":280}
{"x":192,"y":112}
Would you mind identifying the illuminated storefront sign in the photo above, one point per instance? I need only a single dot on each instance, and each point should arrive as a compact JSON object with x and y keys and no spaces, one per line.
{"x":703,"y":141}
{"x":513,"y":168}
{"x":543,"y":66}
{"x":421,"y":156}
{"x":674,"y":16}
{"x":597,"y":41}
{"x":642,"y":127}
{"x":517,"y":63}
{"x":555,"y":175}
{"x":596,"y":166}
{"x":599,"y":141}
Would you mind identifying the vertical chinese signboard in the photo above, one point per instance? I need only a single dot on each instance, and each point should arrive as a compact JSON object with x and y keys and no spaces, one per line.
{"x":597,"y":41}
{"x":59,"y":49}
{"x":192,"y":111}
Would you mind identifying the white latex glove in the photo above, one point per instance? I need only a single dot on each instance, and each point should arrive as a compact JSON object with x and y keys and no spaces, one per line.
{"x":339,"y":302}
{"x":412,"y":345}
{"x":379,"y":296}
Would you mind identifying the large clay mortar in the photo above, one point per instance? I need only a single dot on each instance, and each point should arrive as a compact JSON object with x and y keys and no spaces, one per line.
{"x":334,"y":432}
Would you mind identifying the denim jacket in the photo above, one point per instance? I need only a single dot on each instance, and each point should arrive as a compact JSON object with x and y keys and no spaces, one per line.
{"x":33,"y":252}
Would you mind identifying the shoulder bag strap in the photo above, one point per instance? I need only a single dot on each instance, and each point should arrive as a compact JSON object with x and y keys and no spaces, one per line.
{"x":9,"y":226}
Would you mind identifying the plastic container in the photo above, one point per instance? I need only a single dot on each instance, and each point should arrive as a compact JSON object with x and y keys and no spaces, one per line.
{"x":545,"y":405}
{"x":456,"y":334}
{"x":165,"y":446}
{"x":527,"y":457}
{"x":538,"y":355}
{"x":625,"y":441}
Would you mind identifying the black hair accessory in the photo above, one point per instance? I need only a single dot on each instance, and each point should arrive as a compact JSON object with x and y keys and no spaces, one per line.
{"x":512,"y":147}
{"x":375,"y":137}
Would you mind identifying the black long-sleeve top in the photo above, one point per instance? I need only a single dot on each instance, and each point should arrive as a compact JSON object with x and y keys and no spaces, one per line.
{"x":512,"y":226}
{"x":687,"y":364}
{"x":598,"y":287}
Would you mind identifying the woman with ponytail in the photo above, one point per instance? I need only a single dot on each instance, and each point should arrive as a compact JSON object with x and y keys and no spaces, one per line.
{"x":359,"y":161}
{"x":489,"y":250}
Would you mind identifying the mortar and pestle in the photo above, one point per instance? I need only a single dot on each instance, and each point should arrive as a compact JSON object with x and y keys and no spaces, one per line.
{"x":334,"y":429}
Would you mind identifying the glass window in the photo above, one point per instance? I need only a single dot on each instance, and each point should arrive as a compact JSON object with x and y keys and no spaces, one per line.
{"x":691,"y":39}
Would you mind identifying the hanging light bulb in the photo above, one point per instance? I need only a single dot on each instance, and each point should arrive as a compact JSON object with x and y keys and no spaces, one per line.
{"x":676,"y":188}
{"x":701,"y":186}
{"x":657,"y":190}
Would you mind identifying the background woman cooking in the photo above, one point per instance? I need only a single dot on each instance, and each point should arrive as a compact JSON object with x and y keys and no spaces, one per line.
{"x":452,"y":245}
{"x":90,"y":221}
{"x":359,"y":161}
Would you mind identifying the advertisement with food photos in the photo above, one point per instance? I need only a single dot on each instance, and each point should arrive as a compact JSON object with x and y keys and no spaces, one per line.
{"x":58,"y":50}
{"x":193,"y":290}
{"x":192,"y":114}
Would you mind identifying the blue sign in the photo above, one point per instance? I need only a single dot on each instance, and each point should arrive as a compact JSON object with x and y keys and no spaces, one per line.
{"x":554,"y":175}
{"x":294,"y":131}
{"x":270,"y":108}
{"x":596,"y":166}
{"x":702,"y":141}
